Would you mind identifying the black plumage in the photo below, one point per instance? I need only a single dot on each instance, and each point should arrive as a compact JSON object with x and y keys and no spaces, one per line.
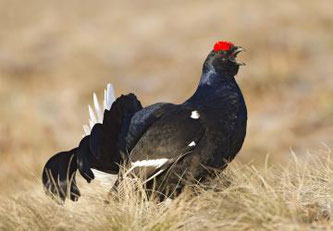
{"x":174,"y":144}
{"x":58,"y":173}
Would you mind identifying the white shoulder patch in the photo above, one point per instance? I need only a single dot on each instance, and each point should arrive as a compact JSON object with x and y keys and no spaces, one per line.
{"x":195,"y":115}
{"x":192,"y":144}
{"x":149,"y":163}
{"x":156,"y":163}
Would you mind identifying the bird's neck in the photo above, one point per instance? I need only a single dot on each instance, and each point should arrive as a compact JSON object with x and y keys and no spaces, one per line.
{"x":213,"y":85}
{"x":211,"y":78}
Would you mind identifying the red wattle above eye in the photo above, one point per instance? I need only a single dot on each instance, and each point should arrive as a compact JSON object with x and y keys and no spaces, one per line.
{"x":223,"y":45}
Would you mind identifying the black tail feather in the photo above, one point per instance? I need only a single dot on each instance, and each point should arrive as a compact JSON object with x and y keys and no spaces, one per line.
{"x":59,"y":176}
{"x":84,"y":158}
{"x":99,"y":150}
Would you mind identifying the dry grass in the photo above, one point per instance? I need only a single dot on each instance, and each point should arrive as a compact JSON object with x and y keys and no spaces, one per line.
{"x":295,"y":196}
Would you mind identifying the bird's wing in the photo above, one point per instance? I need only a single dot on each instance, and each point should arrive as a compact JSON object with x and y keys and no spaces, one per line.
{"x":171,"y":137}
{"x":140,"y":122}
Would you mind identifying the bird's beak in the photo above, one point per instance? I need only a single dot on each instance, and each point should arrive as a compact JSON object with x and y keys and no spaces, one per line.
{"x":238,"y":50}
{"x":234,"y":54}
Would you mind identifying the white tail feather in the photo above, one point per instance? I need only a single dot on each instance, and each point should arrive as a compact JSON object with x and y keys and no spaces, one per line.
{"x":109,"y":96}
{"x":92,"y":115}
{"x":96,"y":116}
{"x":98,"y":109}
{"x":91,"y":124}
{"x":86,"y":130}
{"x":104,"y":101}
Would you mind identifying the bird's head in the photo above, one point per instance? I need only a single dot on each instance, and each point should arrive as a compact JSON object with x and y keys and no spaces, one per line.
{"x":222,"y":59}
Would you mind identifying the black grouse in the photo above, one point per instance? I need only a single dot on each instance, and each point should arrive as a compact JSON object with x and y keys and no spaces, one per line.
{"x":170,"y":144}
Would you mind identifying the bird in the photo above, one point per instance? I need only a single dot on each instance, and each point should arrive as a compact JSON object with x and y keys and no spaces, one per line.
{"x":170,"y":145}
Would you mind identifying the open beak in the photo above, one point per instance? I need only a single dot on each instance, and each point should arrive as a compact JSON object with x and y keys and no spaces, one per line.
{"x":234,"y":54}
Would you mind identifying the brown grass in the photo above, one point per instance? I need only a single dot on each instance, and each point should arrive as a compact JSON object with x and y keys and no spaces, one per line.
{"x":295,"y":196}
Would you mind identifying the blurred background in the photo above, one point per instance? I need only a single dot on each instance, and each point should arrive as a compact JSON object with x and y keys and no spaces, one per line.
{"x":55,"y":54}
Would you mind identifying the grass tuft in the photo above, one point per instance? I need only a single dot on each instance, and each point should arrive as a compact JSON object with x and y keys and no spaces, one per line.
{"x":295,"y":196}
